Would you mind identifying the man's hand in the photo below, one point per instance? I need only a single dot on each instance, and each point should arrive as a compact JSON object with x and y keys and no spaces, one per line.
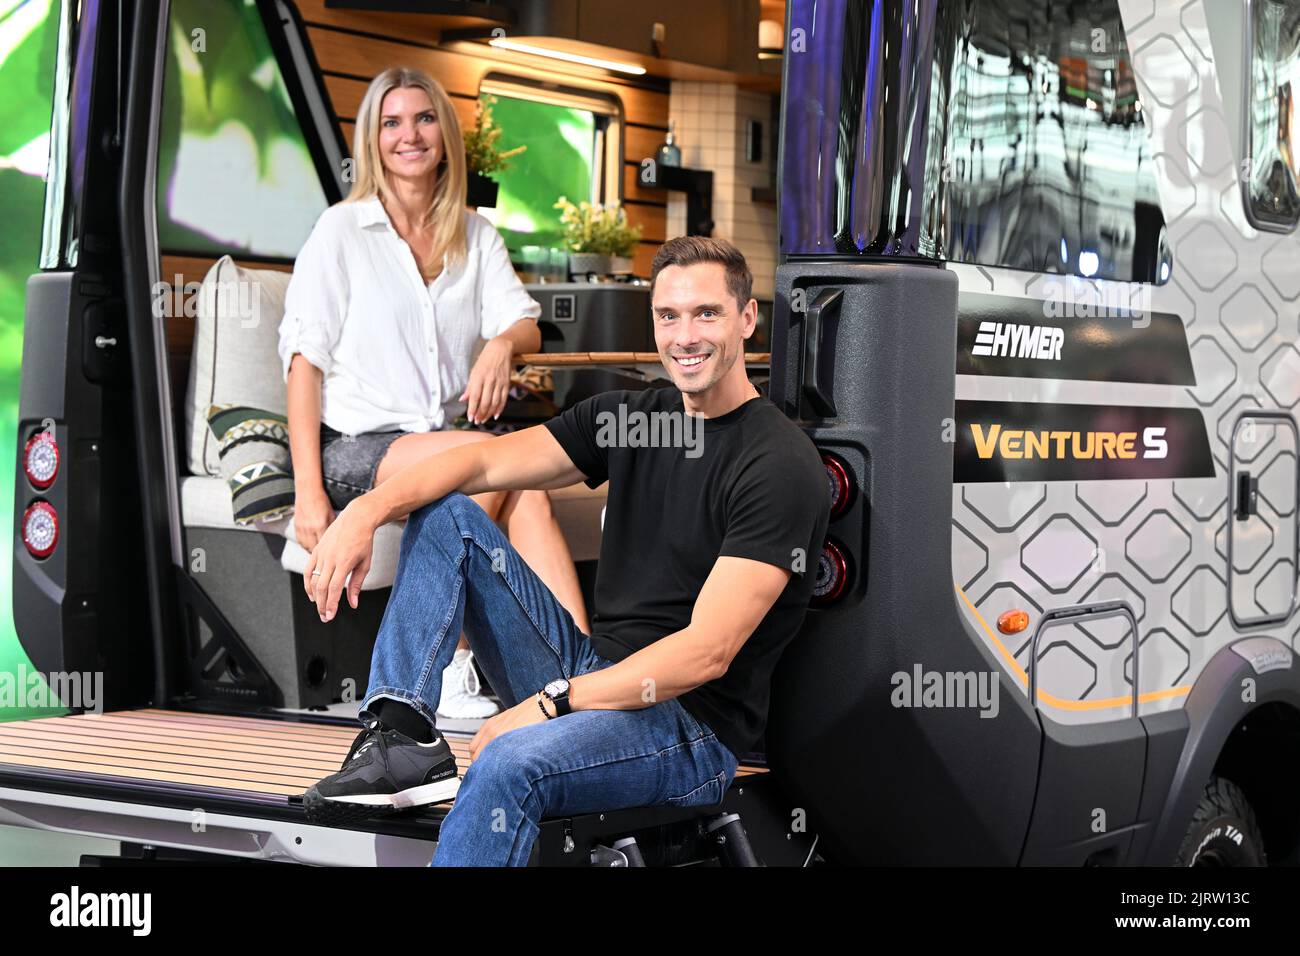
{"x":523,"y":714}
{"x":345,"y":548}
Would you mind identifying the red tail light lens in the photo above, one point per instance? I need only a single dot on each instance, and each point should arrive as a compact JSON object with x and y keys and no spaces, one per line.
{"x":40,"y":529}
{"x":841,"y":485}
{"x":41,"y":460}
{"x":832,"y":575}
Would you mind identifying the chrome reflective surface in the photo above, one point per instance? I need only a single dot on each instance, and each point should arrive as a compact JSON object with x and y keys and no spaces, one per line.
{"x":999,"y":132}
{"x":1273,"y":33}
{"x":57,"y":173}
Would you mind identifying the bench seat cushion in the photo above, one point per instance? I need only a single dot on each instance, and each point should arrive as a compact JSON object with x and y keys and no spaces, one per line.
{"x":205,"y":503}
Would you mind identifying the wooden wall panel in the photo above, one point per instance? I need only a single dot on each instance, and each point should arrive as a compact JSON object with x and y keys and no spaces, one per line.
{"x":362,"y":57}
{"x":633,"y":191}
{"x":644,"y":255}
{"x":640,"y":142}
{"x":460,"y":73}
{"x":653,"y":220}
{"x":413,"y":25}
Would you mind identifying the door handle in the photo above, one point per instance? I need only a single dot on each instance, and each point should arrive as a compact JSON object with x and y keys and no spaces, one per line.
{"x":1247,"y":496}
{"x":820,"y":327}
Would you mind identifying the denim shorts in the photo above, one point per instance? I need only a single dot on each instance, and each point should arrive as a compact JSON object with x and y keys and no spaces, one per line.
{"x":348,"y":462}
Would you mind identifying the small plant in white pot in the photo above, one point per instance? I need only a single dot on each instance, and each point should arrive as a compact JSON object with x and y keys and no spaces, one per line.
{"x":598,"y":237}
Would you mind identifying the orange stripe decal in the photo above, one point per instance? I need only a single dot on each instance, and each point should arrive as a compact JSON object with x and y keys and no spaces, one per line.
{"x":1052,"y":700}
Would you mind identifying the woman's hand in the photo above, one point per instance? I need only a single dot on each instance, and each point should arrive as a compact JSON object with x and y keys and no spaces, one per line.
{"x":312,"y":514}
{"x":489,"y":381}
{"x":345,"y":548}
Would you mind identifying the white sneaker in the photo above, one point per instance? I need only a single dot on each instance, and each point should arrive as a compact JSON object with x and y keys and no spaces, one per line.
{"x":462,"y":692}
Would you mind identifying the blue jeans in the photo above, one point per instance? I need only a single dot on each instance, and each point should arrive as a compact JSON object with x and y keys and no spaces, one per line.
{"x":456,"y":571}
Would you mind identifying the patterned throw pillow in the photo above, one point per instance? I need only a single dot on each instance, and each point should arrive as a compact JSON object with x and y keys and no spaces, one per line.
{"x":253,"y":446}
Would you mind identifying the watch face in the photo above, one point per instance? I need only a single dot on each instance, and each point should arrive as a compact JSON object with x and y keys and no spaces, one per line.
{"x":557,"y":687}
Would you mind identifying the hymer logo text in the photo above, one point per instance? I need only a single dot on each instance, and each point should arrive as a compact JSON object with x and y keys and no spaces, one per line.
{"x":922,"y":688}
{"x":637,"y":429}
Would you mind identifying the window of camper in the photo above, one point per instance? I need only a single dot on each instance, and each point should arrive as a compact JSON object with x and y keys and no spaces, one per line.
{"x":234,"y":172}
{"x":1034,"y":155}
{"x":1049,"y":165}
{"x":573,"y":150}
{"x":1273,"y":79}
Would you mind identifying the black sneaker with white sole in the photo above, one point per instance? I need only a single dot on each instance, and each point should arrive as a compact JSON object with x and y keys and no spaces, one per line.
{"x":384,"y":772}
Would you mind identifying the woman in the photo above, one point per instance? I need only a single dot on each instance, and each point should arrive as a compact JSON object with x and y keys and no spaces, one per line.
{"x":390,"y":295}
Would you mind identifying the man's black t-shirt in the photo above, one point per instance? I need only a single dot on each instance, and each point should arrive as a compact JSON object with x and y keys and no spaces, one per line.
{"x":747,"y":484}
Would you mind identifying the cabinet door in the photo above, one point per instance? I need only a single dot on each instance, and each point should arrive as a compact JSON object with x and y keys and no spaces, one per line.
{"x":700,"y":32}
{"x":1262,"y":530}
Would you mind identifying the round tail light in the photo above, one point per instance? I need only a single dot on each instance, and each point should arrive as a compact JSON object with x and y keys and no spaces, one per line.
{"x":832,"y":575}
{"x":40,"y":529}
{"x":41,"y":460}
{"x":841,"y":485}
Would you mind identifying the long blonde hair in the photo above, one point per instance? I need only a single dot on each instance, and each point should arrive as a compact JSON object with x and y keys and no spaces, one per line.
{"x":447,"y":212}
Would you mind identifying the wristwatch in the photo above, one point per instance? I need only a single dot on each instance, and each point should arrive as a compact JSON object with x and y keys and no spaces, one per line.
{"x":558,"y":692}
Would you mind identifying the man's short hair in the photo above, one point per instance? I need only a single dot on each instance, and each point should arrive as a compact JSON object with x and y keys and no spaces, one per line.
{"x":690,"y":250}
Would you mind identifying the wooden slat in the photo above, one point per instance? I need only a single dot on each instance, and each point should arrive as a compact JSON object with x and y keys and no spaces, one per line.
{"x":183,"y":761}
{"x":466,"y":113}
{"x":418,"y":26}
{"x":366,"y":57}
{"x":159,"y":776}
{"x":460,"y":68}
{"x":653,"y":220}
{"x":178,"y":718}
{"x":124,"y":726}
{"x":632,"y":188}
{"x":640,"y":142}
{"x":644,"y":256}
{"x":345,"y":96}
{"x":144,"y":740}
{"x":193,"y":269}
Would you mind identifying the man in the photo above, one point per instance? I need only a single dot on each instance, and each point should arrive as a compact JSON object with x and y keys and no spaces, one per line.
{"x":707,"y":559}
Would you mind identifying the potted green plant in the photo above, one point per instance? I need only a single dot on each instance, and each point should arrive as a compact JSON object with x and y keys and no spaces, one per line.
{"x":597,"y":236}
{"x":484,"y":156}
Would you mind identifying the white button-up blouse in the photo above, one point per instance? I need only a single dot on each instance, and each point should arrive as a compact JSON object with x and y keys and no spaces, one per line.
{"x":394,"y":352}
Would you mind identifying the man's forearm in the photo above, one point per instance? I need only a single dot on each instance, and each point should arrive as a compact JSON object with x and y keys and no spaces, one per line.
{"x":666,"y":669}
{"x":456,"y":469}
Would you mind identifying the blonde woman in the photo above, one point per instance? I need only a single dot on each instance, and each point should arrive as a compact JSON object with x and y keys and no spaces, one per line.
{"x":391,"y":293}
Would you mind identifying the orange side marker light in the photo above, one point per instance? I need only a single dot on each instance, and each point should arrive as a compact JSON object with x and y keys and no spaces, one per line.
{"x":1013,"y":621}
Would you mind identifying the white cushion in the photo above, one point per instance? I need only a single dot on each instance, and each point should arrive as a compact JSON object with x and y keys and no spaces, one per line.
{"x":383,"y":556}
{"x":205,"y":503}
{"x":235,"y":357}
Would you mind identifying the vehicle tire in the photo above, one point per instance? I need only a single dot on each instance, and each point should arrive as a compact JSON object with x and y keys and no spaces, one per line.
{"x":1223,"y":831}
